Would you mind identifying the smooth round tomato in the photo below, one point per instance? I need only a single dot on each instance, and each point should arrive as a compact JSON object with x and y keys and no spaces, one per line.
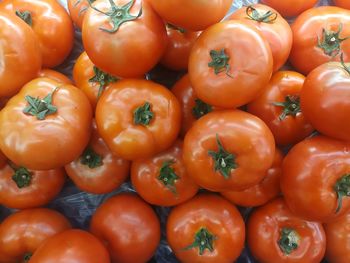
{"x":77,"y":10}
{"x":129,"y":227}
{"x":316,"y":179}
{"x":192,"y":15}
{"x":54,"y":75}
{"x":320,"y":35}
{"x":46,"y":125}
{"x":228,"y":150}
{"x":206,"y":228}
{"x":272,"y":26}
{"x":278,"y":105}
{"x":71,"y":246}
{"x":20,"y":56}
{"x":324,"y":99}
{"x":230,"y":63}
{"x":138,"y":118}
{"x":51,"y":24}
{"x":276,"y":235}
{"x":262,"y":192}
{"x":23,"y":232}
{"x":342,"y":3}
{"x":290,"y":8}
{"x":125,"y":38}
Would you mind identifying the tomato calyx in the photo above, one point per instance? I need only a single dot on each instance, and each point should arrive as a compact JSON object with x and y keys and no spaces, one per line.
{"x":91,"y":158}
{"x":342,"y":188}
{"x":22,"y":177}
{"x":201,"y":108}
{"x":224,"y":161}
{"x":330,"y":41}
{"x":291,"y":106}
{"x":26,"y":16}
{"x":220,"y":62}
{"x":143,"y":115}
{"x":27,"y":257}
{"x":102,"y":78}
{"x":180,"y":29}
{"x":254,"y":14}
{"x":203,"y":240}
{"x":118,"y":15}
{"x":168,"y":176}
{"x":40,"y":108}
{"x":289,"y":240}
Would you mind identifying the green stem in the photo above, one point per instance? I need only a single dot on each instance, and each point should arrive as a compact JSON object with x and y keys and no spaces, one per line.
{"x":203,"y":240}
{"x":40,"y":108}
{"x":291,"y":106}
{"x":347,"y":69}
{"x":201,"y":108}
{"x":342,"y":188}
{"x":168,"y":176}
{"x":330,"y":41}
{"x":102,"y":78}
{"x":26,"y":16}
{"x":267,"y":17}
{"x":219,"y":62}
{"x":22,"y":176}
{"x":143,"y":115}
{"x":91,"y":158}
{"x":27,"y":257}
{"x":289,"y":240}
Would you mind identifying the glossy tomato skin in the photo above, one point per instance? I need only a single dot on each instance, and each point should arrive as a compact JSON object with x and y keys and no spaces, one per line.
{"x":131,"y":51}
{"x":213,"y":213}
{"x":243,"y":136}
{"x":276,"y":30}
{"x":323,"y":100}
{"x":262,"y":192}
{"x":21,"y":57}
{"x":231,"y":85}
{"x":310,"y":173}
{"x":290,"y":8}
{"x":77,"y":10}
{"x":54,"y":75}
{"x":129,"y":227}
{"x":31,"y":142}
{"x":24,"y":231}
{"x":306,"y":53}
{"x":294,"y":126}
{"x":264,"y":233}
{"x":71,"y":246}
{"x":342,"y":3}
{"x":116,"y":122}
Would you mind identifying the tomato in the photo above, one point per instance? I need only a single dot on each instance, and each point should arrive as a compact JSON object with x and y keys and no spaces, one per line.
{"x":272,"y":26}
{"x":206,"y":228}
{"x":278,"y":105}
{"x":71,"y":246}
{"x":342,"y":3}
{"x":23,"y":232}
{"x":54,"y":75}
{"x":290,"y":8}
{"x":320,"y":35}
{"x":276,"y":235}
{"x":262,"y":192}
{"x":3,"y":160}
{"x":129,"y":227}
{"x":230,"y":64}
{"x":138,"y":118}
{"x":315,"y":179}
{"x":46,"y":125}
{"x":228,"y":150}
{"x":51,"y":24}
{"x":124,"y":38}
{"x":192,"y":15}
{"x":20,"y":58}
{"x":324,"y":99}
{"x":77,"y":10}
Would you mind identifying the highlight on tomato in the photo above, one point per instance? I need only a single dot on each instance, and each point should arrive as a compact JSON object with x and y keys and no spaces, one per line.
{"x":290,"y":8}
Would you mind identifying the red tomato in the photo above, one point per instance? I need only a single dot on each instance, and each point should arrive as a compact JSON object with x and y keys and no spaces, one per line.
{"x":342,"y":3}
{"x":290,"y":8}
{"x":278,"y":105}
{"x":320,"y":35}
{"x":125,"y":38}
{"x":54,"y":75}
{"x":129,"y":227}
{"x":276,"y":235}
{"x":77,"y":10}
{"x":23,"y":232}
{"x":230,"y":64}
{"x":315,"y":179}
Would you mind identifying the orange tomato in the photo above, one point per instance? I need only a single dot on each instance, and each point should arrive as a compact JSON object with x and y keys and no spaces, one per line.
{"x":77,"y":10}
{"x":54,"y":75}
{"x":290,"y":8}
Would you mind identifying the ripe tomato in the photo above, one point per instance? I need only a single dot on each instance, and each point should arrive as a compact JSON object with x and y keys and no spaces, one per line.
{"x":230,"y":64}
{"x":192,"y":15}
{"x":276,"y":235}
{"x":320,"y":35}
{"x":138,"y":118}
{"x":20,"y":58}
{"x":324,"y":100}
{"x":290,"y":8}
{"x":342,"y":3}
{"x":278,"y":105}
{"x":51,"y":24}
{"x":46,"y":125}
{"x":264,"y":191}
{"x":272,"y":26}
{"x":315,"y":179}
{"x":129,"y":227}
{"x":71,"y":246}
{"x":23,"y":232}
{"x":77,"y":10}
{"x":228,"y":150}
{"x":125,"y":38}
{"x":207,"y":229}
{"x":54,"y":75}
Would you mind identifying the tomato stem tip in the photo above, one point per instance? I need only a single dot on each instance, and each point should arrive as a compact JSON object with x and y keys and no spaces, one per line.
{"x":102,"y":78}
{"x":291,"y":106}
{"x":289,"y":240}
{"x":168,"y":176}
{"x":91,"y":158}
{"x":22,"y":177}
{"x":342,"y":188}
{"x":254,"y":14}
{"x":201,"y":108}
{"x":220,"y":62}
{"x":26,"y":16}
{"x":40,"y":108}
{"x":143,"y":115}
{"x":330,"y":41}
{"x":203,"y":240}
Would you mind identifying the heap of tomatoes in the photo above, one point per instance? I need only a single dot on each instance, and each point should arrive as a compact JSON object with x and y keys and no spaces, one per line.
{"x":237,"y":129}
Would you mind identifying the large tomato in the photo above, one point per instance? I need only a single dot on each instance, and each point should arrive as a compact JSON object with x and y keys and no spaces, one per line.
{"x":71,"y":246}
{"x":278,"y":105}
{"x":77,"y":10}
{"x":230,"y":63}
{"x":273,"y":26}
{"x":138,"y":118}
{"x":320,"y":35}
{"x":316,"y":179}
{"x":290,"y":8}
{"x":46,"y":125}
{"x":20,"y":58}
{"x":276,"y":235}
{"x":228,"y":150}
{"x":129,"y":227}
{"x":342,"y":3}
{"x":55,"y":75}
{"x":207,"y":228}
{"x":23,"y":232}
{"x":125,"y":38}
